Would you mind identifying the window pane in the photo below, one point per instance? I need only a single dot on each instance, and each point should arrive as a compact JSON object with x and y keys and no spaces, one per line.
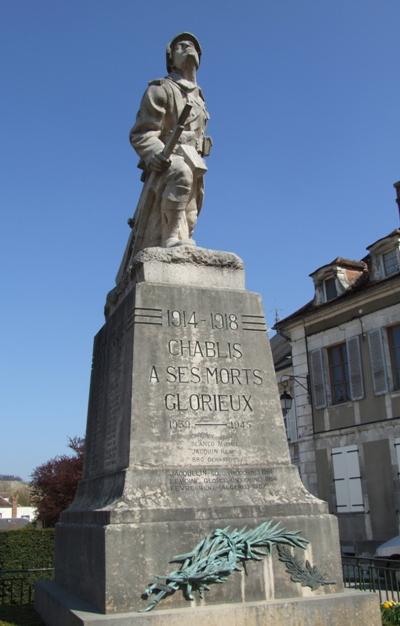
{"x":390,"y":263}
{"x":330,"y":289}
{"x":394,"y":343}
{"x":339,"y":373}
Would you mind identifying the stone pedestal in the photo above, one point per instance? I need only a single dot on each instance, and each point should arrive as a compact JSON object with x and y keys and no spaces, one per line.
{"x":185,"y":435}
{"x":338,"y":609}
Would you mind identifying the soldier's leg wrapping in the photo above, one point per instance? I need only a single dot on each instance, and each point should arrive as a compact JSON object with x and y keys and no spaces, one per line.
{"x":175,"y":198}
{"x":191,"y":215}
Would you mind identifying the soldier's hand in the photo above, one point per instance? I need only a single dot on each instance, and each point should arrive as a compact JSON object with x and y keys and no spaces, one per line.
{"x":158,"y":163}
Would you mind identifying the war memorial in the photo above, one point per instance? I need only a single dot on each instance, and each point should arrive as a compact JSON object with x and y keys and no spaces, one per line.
{"x":189,"y":511}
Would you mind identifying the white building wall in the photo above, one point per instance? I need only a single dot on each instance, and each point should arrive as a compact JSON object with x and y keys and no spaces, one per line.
{"x":22,"y":511}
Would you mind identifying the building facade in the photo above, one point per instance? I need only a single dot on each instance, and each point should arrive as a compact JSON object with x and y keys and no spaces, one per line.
{"x":346,"y":344}
{"x":282,"y":357}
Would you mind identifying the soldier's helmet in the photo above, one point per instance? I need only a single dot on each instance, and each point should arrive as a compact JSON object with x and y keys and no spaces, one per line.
{"x":181,"y":37}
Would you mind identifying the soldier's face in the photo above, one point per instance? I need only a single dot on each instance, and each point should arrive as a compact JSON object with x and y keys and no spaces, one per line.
{"x":183,"y":52}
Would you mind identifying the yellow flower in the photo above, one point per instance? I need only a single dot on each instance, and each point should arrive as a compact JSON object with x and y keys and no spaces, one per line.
{"x":388,"y":604}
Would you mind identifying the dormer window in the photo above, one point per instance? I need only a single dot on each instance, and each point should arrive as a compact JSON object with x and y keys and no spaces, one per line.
{"x":333,"y":280}
{"x":390,"y":262}
{"x":330,"y":289}
{"x":385,"y":256}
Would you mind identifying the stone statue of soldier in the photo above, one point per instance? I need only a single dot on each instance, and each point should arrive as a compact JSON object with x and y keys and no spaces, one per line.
{"x":175,"y":196}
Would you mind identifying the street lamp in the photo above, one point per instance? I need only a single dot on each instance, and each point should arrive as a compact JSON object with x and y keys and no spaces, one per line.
{"x":285,"y":397}
{"x":286,"y":402}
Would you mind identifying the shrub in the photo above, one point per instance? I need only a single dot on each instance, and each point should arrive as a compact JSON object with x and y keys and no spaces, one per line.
{"x":26,"y":548}
{"x":22,"y":550}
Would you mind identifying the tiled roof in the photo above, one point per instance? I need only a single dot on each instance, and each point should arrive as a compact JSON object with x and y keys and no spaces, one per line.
{"x":394,"y":232}
{"x":342,"y":262}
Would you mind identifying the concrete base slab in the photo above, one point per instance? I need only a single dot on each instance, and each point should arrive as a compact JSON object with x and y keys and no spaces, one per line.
{"x":353,"y":608}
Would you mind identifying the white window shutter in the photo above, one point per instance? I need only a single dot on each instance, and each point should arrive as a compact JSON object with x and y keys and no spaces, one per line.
{"x":346,"y":472}
{"x":317,"y":379}
{"x":355,"y":368}
{"x":340,"y":478}
{"x":353,"y":468}
{"x":378,"y":363}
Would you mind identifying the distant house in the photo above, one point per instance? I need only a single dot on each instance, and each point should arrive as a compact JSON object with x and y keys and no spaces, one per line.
{"x":346,"y":341}
{"x":10,"y":510}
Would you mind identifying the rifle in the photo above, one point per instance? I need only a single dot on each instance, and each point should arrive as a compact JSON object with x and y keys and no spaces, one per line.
{"x":139,"y":221}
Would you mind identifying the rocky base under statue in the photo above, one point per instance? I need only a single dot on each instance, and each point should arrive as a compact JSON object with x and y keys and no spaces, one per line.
{"x":185,"y":435}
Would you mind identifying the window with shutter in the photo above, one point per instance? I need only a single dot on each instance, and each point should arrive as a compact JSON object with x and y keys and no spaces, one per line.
{"x":377,"y":359}
{"x":339,"y":373}
{"x":394,"y":347}
{"x":317,"y":379}
{"x":346,"y":475}
{"x":355,"y":368}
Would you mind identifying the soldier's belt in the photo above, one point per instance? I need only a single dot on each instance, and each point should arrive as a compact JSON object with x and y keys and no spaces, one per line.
{"x":189,"y":138}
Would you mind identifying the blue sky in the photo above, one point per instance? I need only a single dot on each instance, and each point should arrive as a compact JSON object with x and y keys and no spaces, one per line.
{"x":304,"y":100}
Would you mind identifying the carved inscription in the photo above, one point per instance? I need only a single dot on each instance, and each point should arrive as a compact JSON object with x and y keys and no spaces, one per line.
{"x":208,"y":393}
{"x":209,"y":480}
{"x":114,"y":406}
{"x":107,"y":394}
{"x":215,"y":451}
{"x":217,"y":321}
{"x":207,"y":375}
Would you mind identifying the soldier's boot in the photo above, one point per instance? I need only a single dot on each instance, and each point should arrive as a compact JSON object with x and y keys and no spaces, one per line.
{"x":175,"y":230}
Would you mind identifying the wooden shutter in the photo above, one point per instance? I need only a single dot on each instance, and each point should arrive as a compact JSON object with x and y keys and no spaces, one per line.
{"x":355,"y":368}
{"x":317,"y":379}
{"x":377,"y":359}
{"x":346,"y":472}
{"x":340,"y":480}
{"x":397,"y":450}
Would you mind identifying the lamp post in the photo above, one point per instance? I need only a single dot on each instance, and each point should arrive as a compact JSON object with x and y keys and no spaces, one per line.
{"x":285,"y":397}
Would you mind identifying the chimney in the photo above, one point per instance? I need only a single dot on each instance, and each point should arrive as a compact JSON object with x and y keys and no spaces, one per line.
{"x":14,"y":506}
{"x":397,"y":187}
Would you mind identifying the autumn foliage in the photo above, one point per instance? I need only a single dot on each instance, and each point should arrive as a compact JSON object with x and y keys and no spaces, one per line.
{"x":54,"y":483}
